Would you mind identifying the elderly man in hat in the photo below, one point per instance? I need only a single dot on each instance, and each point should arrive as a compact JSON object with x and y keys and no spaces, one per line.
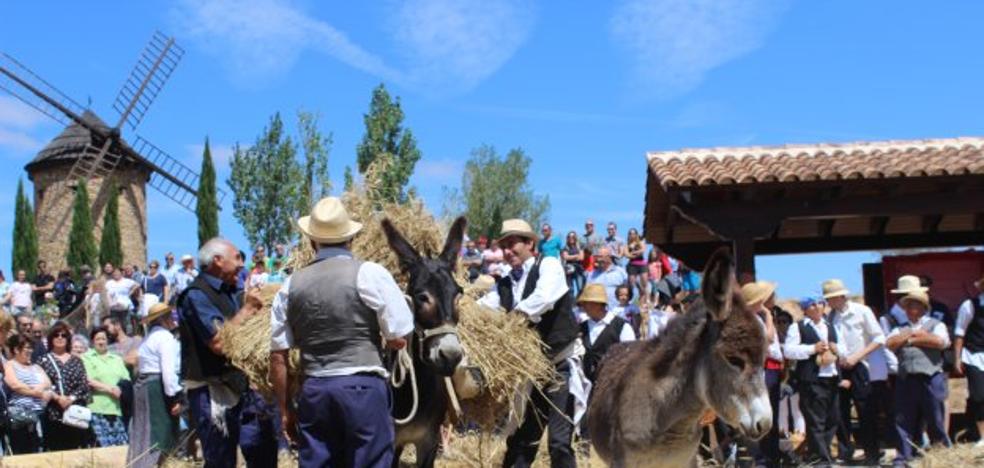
{"x":536,"y":287}
{"x":920,"y":387}
{"x":760,"y":299}
{"x":215,"y":387}
{"x":861,"y":339}
{"x":812,"y":342}
{"x":334,"y":311}
{"x":185,"y":275}
{"x":968,"y":346}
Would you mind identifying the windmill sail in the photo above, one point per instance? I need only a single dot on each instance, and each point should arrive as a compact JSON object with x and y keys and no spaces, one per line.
{"x":34,"y":91}
{"x":155,"y":65}
{"x":170,"y":177}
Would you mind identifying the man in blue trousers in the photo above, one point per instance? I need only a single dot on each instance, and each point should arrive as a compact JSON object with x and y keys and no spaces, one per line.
{"x":334,"y":311}
{"x":216,"y":389}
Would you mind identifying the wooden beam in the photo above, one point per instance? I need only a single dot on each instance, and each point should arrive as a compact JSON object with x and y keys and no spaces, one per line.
{"x":931,"y":223}
{"x":745,"y":259}
{"x":878,"y":225}
{"x":825,"y":228}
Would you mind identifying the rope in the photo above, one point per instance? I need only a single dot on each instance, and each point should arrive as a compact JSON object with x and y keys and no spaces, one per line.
{"x":453,"y":398}
{"x":398,"y":377}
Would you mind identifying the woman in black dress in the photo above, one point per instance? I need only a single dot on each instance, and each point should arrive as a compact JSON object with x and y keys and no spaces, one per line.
{"x":71,"y":387}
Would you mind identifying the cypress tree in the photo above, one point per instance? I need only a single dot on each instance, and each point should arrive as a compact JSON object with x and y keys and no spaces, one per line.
{"x":207,"y":207}
{"x":25,"y":249}
{"x":81,"y":243}
{"x":110,"y":249}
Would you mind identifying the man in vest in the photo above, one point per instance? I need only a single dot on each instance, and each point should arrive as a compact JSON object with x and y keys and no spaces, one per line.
{"x":337,"y":311}
{"x":861,"y":339}
{"x":812,"y":342}
{"x":760,"y":299}
{"x":969,"y":350}
{"x":215,"y":387}
{"x":536,"y":288}
{"x":920,"y":387}
{"x":601,"y":330}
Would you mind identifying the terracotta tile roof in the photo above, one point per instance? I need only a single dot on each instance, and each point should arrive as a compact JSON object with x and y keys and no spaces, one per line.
{"x":793,"y":163}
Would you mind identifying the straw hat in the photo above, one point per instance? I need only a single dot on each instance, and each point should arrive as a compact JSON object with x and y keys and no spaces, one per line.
{"x":329,"y":222}
{"x":757,"y":292}
{"x":907,"y":284}
{"x":156,"y":311}
{"x":833,"y":288}
{"x":187,"y":258}
{"x":593,"y":292}
{"x":918,"y":296}
{"x":516,"y":227}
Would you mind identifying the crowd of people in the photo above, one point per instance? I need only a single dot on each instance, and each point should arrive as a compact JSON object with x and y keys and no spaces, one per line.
{"x":132,"y":357}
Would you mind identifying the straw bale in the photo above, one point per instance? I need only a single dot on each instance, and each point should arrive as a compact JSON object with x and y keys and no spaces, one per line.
{"x":958,"y":455}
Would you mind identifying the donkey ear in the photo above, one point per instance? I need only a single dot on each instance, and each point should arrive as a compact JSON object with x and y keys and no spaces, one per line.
{"x":452,"y":245}
{"x":719,"y":284}
{"x":403,"y":250}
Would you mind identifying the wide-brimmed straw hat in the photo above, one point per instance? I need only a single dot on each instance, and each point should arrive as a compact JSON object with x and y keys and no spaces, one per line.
{"x":594,"y":292}
{"x":907,"y":284}
{"x":833,"y":288}
{"x":516,"y":227}
{"x":329,"y":222}
{"x":156,"y":311}
{"x":757,"y":291}
{"x":918,"y":296}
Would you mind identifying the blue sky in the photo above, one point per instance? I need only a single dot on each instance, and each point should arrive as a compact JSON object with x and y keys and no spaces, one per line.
{"x":585,"y":88}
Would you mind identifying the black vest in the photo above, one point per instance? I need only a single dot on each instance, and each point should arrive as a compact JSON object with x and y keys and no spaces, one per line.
{"x":198,"y":362}
{"x":556,"y":327}
{"x":807,"y":370}
{"x":595,"y":351}
{"x":974,"y":337}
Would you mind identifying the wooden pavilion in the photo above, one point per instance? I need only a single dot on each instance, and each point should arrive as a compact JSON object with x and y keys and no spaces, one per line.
{"x":815,"y":198}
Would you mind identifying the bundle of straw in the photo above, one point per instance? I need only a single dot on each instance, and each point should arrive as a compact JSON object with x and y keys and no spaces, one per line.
{"x":503,"y":346}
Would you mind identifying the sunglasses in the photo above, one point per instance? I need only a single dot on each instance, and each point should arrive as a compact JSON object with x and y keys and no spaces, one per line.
{"x":61,"y":335}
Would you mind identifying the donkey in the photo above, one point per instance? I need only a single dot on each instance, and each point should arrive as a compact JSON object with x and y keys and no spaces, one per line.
{"x":434,"y":347}
{"x":650,"y":396}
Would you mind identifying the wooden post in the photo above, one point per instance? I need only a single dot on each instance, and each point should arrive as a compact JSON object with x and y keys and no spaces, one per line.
{"x":745,"y":259}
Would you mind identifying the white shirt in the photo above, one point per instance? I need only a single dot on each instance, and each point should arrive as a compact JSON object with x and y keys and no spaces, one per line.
{"x":182,"y":278}
{"x":964,"y":315}
{"x":596,"y":327}
{"x":939,"y":329}
{"x":258,"y":280}
{"x":119,"y":291}
{"x":21,"y":294}
{"x":160,"y":353}
{"x":169,"y":272}
{"x":891,"y":360}
{"x":378,"y":291}
{"x":857,"y":327}
{"x":774,"y":351}
{"x":658,"y":320}
{"x":551,"y":286}
{"x":795,"y":350}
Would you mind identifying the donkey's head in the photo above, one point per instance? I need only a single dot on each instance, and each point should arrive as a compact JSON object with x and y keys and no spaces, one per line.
{"x":730,"y":379}
{"x":433,"y":292}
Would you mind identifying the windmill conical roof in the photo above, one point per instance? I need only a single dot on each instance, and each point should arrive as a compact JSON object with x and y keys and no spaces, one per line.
{"x":69,"y":144}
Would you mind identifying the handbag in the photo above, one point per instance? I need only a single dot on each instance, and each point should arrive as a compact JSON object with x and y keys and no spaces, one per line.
{"x":75,"y":415}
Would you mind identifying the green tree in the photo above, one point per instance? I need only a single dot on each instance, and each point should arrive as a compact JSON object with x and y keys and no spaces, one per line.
{"x":81,"y":243}
{"x":25,"y":250}
{"x":207,"y":206}
{"x":316,"y":146}
{"x":110,"y":245}
{"x":266,"y":183}
{"x":349,"y":179}
{"x":495,"y":188}
{"x":386,"y":137}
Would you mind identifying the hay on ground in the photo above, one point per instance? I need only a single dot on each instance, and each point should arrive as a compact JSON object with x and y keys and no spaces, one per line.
{"x":958,"y":455}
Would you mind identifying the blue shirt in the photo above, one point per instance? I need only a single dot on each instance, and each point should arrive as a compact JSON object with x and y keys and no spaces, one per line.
{"x":201,"y":315}
{"x":550,"y":247}
{"x":614,"y":277}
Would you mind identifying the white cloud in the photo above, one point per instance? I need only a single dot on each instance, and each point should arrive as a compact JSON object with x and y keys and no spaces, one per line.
{"x":17,"y":121}
{"x":458,"y":43}
{"x":439,"y":170}
{"x":674,"y":43}
{"x":449,"y":46}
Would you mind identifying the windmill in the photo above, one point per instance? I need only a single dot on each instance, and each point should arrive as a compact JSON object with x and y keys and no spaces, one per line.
{"x":90,"y":150}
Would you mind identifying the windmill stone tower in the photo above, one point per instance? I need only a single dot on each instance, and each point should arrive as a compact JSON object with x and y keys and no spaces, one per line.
{"x":92,"y":151}
{"x":54,"y":194}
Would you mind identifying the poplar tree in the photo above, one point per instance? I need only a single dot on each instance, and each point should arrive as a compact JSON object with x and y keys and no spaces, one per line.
{"x":207,"y":207}
{"x":25,"y":249}
{"x":385,"y":137}
{"x":110,"y":248}
{"x":81,"y":243}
